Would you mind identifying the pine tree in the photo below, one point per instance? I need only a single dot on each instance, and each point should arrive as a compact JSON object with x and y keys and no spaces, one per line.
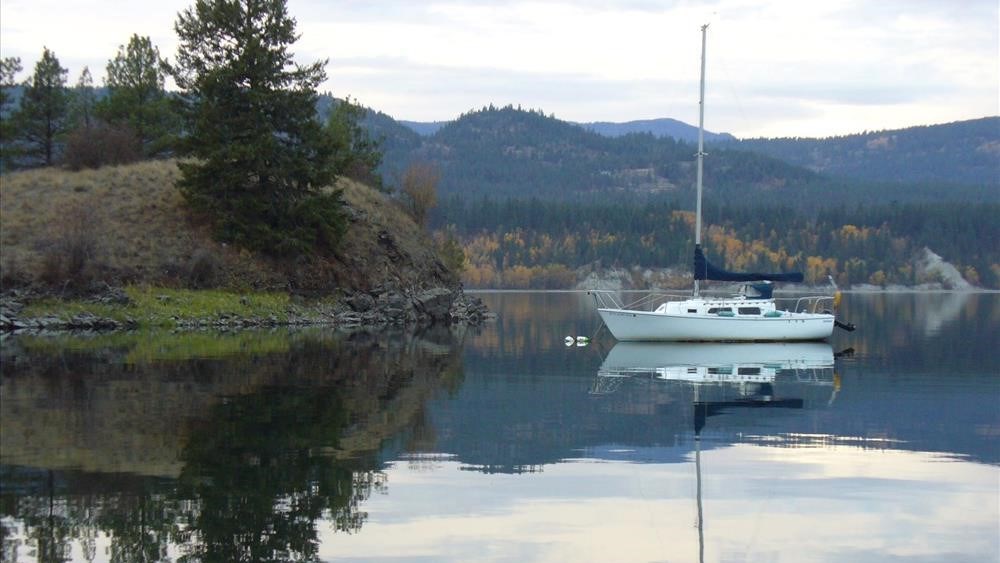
{"x":82,"y":101}
{"x":43,"y":117}
{"x":9,"y":67}
{"x":358,"y":156}
{"x":261,"y":157}
{"x":137,"y":99}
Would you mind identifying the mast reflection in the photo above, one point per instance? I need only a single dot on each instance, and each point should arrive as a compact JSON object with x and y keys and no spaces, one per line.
{"x":720,"y":377}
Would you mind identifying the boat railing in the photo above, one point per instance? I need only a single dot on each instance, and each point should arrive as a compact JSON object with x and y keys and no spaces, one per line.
{"x":813,"y":304}
{"x":609,"y":299}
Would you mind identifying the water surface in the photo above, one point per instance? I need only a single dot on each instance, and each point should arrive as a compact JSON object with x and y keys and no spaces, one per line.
{"x":504,"y":444}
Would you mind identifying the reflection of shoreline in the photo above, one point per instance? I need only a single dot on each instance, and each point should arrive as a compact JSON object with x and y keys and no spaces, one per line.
{"x":120,"y":409}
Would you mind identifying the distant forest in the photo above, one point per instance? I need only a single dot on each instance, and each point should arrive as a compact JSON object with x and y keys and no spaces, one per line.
{"x":965,"y":152}
{"x":524,"y":153}
{"x":538,"y":243}
{"x":532,"y":200}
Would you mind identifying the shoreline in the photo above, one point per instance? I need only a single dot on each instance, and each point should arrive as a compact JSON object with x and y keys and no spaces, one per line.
{"x":136,"y":308}
{"x":860,"y":290}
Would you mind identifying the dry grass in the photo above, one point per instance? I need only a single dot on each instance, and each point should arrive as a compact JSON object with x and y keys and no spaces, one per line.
{"x":384,"y":246}
{"x":134,"y":228}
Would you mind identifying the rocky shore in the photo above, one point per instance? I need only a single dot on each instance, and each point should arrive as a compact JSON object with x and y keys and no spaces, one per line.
{"x":379,"y":308}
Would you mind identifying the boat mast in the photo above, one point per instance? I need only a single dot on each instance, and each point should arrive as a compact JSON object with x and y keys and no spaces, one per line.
{"x":701,"y":147}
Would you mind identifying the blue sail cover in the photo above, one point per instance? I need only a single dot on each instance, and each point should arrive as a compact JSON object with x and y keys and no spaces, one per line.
{"x":703,"y":270}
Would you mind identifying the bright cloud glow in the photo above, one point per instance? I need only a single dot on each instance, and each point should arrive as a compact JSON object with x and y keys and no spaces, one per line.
{"x":828,"y":502}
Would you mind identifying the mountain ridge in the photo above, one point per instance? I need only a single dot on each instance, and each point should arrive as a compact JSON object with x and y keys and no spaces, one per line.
{"x":517,"y":153}
{"x":965,"y":151}
{"x":658,"y":127}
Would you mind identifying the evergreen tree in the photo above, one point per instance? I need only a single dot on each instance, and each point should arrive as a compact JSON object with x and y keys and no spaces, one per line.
{"x":43,"y":118}
{"x":136,"y":96}
{"x":358,"y":156}
{"x":9,"y":67}
{"x":83,"y":101}
{"x":262,"y":158}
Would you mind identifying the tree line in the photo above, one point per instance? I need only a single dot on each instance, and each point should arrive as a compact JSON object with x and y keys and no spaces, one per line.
{"x":255,"y":158}
{"x":539,"y":243}
{"x":131,"y":117}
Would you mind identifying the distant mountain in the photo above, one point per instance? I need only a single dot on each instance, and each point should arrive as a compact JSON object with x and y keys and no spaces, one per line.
{"x":663,"y":127}
{"x":511,"y":152}
{"x":424,"y":128}
{"x":963,"y":152}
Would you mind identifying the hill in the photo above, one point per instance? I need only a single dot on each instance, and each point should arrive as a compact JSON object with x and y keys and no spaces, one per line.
{"x":963,"y":152}
{"x":662,"y":127}
{"x":129,"y":224}
{"x":508,"y":152}
{"x":511,"y":152}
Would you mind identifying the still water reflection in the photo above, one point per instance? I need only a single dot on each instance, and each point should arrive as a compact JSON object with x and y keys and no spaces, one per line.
{"x":505,"y":444}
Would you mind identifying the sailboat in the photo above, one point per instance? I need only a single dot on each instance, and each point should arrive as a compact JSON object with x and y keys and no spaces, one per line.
{"x":748,"y":315}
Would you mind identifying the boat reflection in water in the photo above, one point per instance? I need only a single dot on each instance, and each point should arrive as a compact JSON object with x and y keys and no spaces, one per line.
{"x":740,"y":372}
{"x":721,"y":377}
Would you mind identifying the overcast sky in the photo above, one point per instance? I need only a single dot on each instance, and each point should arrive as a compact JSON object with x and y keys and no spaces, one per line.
{"x":775,"y":67}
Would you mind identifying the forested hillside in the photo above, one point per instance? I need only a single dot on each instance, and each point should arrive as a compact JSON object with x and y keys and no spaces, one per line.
{"x":536,"y":243}
{"x":964,"y":152}
{"x":662,"y":127}
{"x":509,"y":152}
{"x":535,"y":201}
{"x":516,"y":153}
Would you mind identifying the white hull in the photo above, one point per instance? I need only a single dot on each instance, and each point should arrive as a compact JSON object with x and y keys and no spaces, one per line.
{"x":629,"y":325}
{"x":715,"y":362}
{"x":626,"y":356}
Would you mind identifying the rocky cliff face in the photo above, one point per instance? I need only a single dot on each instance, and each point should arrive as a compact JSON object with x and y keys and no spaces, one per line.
{"x":936,"y":270}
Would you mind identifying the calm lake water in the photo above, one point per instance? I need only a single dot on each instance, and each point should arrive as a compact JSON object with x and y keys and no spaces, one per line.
{"x":504,"y":444}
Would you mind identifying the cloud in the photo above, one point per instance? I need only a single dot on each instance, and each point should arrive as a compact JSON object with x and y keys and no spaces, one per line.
{"x":828,"y":66}
{"x":394,"y":85}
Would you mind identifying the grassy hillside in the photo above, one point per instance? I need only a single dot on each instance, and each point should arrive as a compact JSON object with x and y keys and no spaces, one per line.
{"x":129,"y":224}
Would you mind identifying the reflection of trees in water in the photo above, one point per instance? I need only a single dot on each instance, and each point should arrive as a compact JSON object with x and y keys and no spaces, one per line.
{"x":259,"y":483}
{"x":264,"y":465}
{"x":918,"y":329}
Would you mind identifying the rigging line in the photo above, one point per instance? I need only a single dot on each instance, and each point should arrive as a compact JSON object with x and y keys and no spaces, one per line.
{"x":726,"y":78}
{"x":600,"y":327}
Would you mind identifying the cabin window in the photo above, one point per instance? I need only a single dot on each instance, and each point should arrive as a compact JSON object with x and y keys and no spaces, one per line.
{"x":748,"y":371}
{"x":715,"y":310}
{"x":692,"y":310}
{"x":749,"y":310}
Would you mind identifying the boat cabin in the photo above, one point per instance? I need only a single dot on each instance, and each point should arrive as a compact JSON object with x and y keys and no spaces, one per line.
{"x":752,"y":300}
